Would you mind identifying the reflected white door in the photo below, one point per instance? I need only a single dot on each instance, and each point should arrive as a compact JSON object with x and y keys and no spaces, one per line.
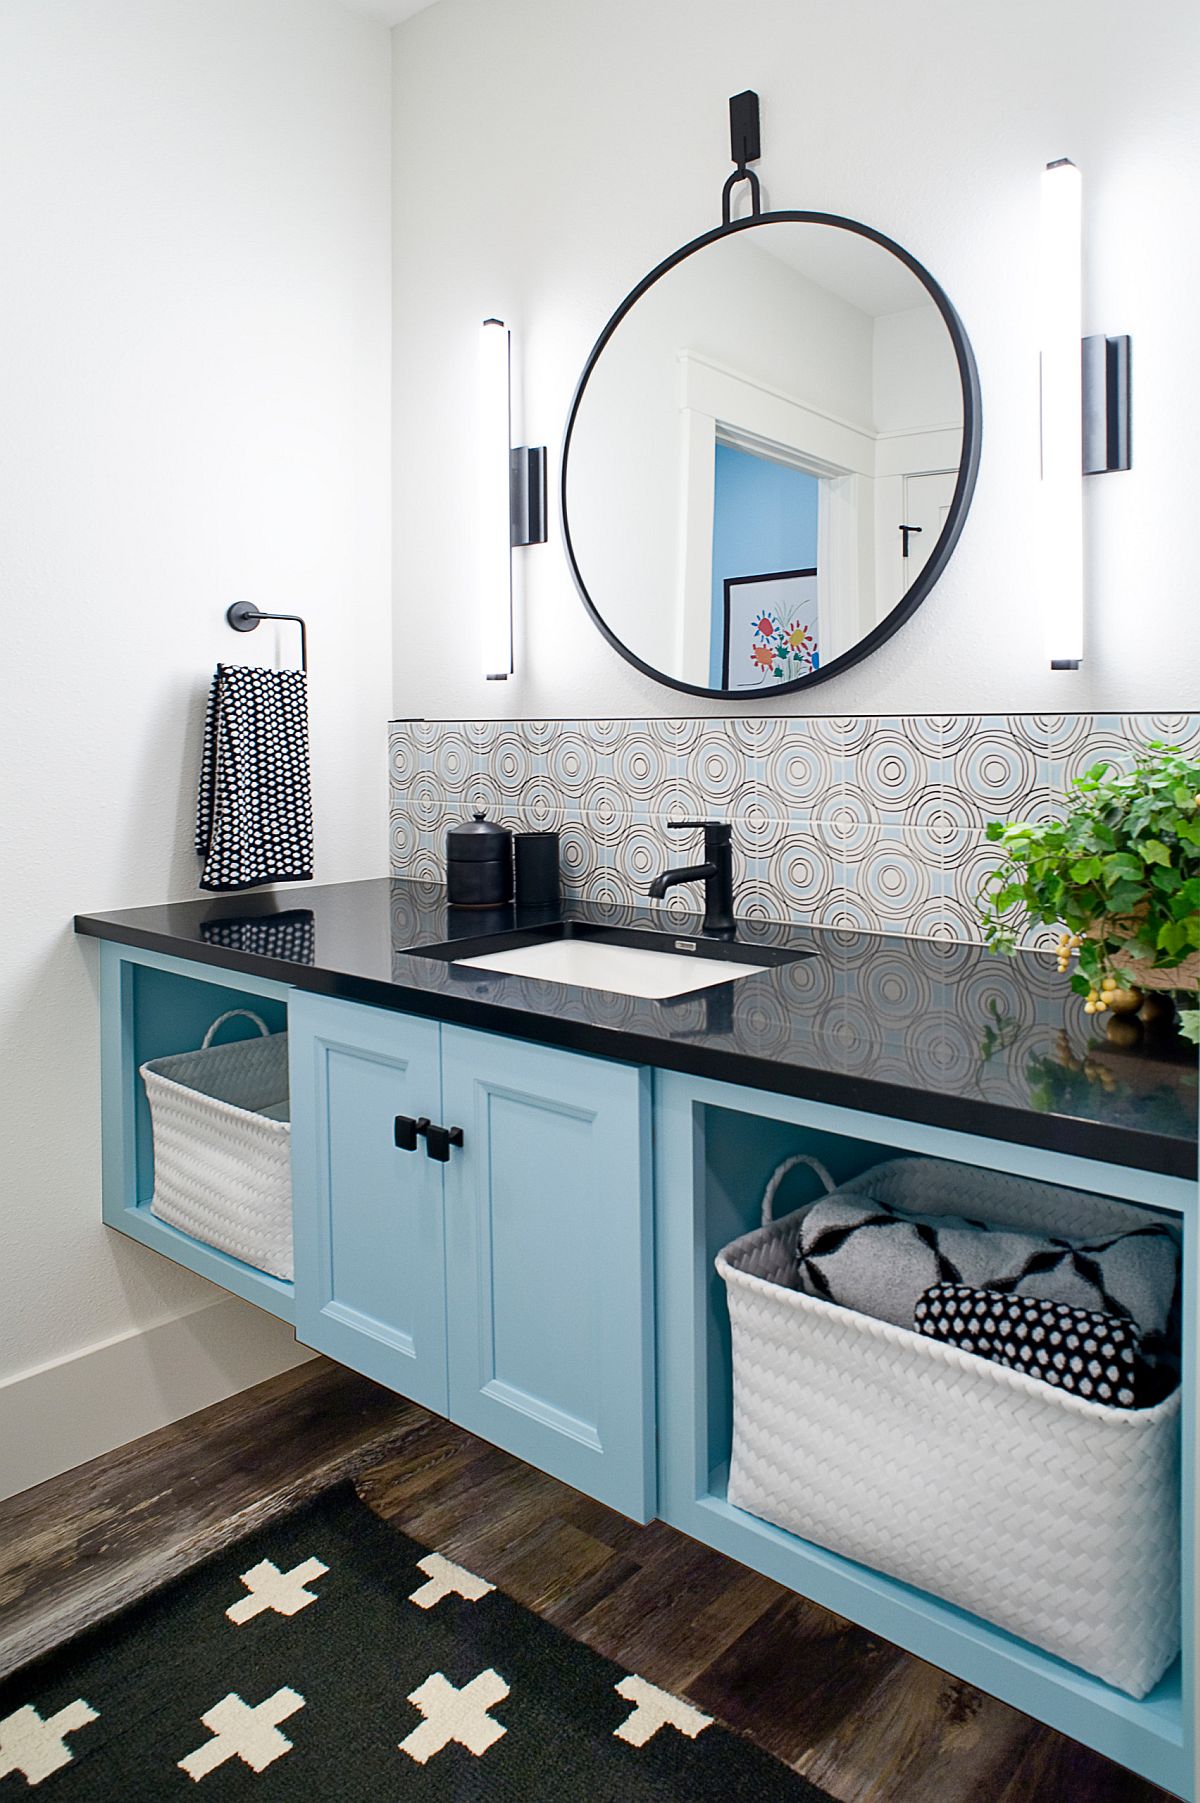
{"x":927,"y":501}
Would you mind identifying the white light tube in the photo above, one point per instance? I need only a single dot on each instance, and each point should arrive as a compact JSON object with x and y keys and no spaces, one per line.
{"x":1060,"y":500}
{"x":494,"y":524}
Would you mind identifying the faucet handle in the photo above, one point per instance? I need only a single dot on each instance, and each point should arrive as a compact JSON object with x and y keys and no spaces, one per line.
{"x":716,"y":832}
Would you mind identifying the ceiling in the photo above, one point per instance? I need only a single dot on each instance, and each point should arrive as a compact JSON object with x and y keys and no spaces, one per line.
{"x":390,"y":11}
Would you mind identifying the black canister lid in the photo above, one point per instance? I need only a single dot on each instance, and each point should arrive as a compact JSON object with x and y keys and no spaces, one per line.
{"x":478,"y":838}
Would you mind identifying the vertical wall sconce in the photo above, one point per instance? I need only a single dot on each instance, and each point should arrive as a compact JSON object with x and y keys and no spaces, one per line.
{"x":1085,"y":386}
{"x":512,"y":500}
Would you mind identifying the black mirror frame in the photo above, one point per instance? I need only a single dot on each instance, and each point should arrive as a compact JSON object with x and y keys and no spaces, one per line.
{"x":964,"y":488}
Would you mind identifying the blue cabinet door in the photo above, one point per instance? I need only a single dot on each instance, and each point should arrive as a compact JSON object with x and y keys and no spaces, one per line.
{"x":370,"y":1263}
{"x":549,"y":1263}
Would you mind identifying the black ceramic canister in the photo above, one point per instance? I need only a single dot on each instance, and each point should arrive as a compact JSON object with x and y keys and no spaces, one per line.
{"x":479,"y":863}
{"x":538,"y":884}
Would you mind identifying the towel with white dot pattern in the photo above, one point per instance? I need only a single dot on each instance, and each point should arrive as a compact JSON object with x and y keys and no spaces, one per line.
{"x":1077,"y":1349}
{"x":254,"y":809}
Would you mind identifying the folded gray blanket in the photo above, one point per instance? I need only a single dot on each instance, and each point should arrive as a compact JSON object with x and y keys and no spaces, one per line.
{"x":880,"y":1260}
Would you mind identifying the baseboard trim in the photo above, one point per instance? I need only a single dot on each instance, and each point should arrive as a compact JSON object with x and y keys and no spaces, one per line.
{"x":59,"y":1415}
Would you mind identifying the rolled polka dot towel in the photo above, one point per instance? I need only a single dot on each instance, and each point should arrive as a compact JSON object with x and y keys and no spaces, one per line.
{"x":1076,"y":1349}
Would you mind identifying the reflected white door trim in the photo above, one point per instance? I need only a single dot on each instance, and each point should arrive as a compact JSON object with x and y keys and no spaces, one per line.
{"x":693,"y":566}
{"x":838,"y":573}
{"x":717,"y":405}
{"x":747,"y":405}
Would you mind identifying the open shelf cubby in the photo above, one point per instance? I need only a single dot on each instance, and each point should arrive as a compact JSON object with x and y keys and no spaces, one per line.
{"x":717,"y":1149}
{"x":162,"y":1007}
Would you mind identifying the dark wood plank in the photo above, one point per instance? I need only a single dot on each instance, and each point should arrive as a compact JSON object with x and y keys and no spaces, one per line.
{"x":795,"y":1677}
{"x":923,"y":1735}
{"x":1052,"y":1769}
{"x":79,"y":1546}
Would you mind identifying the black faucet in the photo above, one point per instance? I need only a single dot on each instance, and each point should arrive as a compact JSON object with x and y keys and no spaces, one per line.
{"x":717,"y":871}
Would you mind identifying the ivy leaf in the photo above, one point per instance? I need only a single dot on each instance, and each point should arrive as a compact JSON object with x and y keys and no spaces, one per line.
{"x":1124,"y":898}
{"x":1121,"y":864}
{"x":1173,"y":937}
{"x":1153,"y":851}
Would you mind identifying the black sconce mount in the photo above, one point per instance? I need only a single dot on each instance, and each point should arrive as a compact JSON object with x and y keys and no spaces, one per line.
{"x":1107,"y":384}
{"x":527,"y":494}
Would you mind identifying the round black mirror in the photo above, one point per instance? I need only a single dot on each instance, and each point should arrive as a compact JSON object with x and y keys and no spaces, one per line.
{"x":770,"y":455}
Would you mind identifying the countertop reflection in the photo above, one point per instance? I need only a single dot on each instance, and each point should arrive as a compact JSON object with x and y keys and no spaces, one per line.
{"x":925,"y":1030}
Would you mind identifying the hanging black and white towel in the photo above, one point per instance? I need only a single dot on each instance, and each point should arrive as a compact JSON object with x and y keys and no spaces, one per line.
{"x":254,"y":812}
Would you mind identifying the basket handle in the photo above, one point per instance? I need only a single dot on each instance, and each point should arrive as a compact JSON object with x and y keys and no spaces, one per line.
{"x":781,"y":1171}
{"x":232,"y":1014}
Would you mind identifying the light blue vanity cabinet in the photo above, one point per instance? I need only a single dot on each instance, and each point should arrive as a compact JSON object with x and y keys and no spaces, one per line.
{"x":367,"y":1218}
{"x":508,"y":1287}
{"x":528,"y":1286}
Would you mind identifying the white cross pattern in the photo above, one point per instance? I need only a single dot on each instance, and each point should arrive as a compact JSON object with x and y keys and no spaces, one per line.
{"x":656,"y":1709}
{"x":36,"y":1747}
{"x":270,"y":1588}
{"x":240,"y":1732}
{"x":447,"y":1579}
{"x":459,"y":1715}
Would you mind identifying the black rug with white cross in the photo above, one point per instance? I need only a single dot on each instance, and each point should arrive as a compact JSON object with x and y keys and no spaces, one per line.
{"x":329,"y":1657}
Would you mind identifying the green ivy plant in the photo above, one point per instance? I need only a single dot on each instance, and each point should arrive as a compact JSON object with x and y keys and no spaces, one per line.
{"x":1120,"y":875}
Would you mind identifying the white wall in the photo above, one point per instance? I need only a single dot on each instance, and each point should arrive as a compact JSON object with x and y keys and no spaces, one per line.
{"x":916,"y":384}
{"x":194,"y":360}
{"x":547,"y":155}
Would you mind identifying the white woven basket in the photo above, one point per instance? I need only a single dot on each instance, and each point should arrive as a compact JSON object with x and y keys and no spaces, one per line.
{"x":1052,"y":1516}
{"x":222,"y":1162}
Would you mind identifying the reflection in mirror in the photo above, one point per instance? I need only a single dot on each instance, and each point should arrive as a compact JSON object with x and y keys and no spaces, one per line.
{"x":764,"y":455}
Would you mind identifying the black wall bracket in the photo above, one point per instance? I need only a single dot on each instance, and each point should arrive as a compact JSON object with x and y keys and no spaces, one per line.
{"x":1107,"y":440}
{"x":745,"y":133}
{"x":745,"y":146}
{"x":527,"y":495}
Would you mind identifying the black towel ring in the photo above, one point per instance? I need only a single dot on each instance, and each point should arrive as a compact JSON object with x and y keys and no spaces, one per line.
{"x":243,"y":616}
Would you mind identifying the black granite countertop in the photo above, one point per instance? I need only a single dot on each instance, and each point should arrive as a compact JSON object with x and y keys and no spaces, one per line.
{"x":918,"y":1029}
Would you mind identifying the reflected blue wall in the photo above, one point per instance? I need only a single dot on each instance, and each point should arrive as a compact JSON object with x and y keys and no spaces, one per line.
{"x":764,"y":519}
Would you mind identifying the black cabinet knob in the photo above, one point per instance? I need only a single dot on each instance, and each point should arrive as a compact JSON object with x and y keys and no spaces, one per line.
{"x":407,"y":1130}
{"x":438,"y":1141}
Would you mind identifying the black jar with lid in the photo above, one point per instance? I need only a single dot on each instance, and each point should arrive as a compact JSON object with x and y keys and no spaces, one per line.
{"x":479,"y":863}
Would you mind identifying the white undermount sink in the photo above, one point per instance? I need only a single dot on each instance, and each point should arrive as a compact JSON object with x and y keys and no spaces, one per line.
{"x":619,"y":969}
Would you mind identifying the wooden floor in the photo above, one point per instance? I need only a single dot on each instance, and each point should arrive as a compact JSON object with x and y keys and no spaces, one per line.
{"x":865,"y":1721}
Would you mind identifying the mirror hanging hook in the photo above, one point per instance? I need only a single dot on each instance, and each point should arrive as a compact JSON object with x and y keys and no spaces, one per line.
{"x":745,"y":146}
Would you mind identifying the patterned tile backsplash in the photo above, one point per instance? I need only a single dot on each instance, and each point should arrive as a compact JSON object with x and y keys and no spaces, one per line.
{"x":875,"y":823}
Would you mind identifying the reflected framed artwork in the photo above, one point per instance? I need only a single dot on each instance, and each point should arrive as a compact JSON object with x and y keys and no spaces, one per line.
{"x":771,"y":630}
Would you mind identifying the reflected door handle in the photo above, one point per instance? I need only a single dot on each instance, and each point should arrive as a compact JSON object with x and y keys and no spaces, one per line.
{"x":438,"y":1141}
{"x":407,"y":1130}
